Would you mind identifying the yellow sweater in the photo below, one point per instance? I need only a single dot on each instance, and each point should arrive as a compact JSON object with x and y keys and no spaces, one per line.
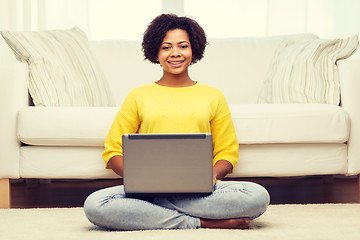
{"x":157,"y":109}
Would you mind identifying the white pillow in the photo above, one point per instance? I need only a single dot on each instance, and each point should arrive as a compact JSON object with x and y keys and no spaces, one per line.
{"x":305,"y":71}
{"x":62,"y":69}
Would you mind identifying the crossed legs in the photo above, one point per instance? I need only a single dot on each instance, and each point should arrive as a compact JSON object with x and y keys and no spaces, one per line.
{"x":232,"y":205}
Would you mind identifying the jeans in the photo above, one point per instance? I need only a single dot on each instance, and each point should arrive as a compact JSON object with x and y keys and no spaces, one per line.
{"x":111,"y":208}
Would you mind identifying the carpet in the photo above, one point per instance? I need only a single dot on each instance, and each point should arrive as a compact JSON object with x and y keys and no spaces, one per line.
{"x":313,"y":221}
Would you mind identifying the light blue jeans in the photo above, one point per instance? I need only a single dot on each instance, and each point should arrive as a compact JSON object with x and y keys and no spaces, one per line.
{"x":111,"y":208}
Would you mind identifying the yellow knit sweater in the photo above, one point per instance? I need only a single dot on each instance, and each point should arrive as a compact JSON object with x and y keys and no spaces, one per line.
{"x":157,"y":109}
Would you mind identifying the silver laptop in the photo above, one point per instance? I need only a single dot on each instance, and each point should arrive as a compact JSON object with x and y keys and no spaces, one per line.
{"x":161,"y":164}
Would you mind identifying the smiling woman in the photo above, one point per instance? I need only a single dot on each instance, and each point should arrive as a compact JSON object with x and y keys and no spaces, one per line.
{"x":172,"y":105}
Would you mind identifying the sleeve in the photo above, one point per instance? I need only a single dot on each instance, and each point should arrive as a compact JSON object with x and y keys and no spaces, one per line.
{"x":226,"y":146}
{"x":126,"y":121}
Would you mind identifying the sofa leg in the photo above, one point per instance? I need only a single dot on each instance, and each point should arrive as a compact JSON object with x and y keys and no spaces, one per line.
{"x":4,"y":193}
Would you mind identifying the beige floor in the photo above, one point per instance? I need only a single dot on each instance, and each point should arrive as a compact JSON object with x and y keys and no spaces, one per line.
{"x":322,"y":221}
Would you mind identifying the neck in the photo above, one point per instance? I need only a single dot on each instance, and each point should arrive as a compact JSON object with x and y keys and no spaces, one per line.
{"x":171,"y":80}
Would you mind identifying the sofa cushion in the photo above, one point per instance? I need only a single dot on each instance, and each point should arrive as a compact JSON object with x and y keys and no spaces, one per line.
{"x":254,"y":124}
{"x":65,"y":126}
{"x":290,"y":123}
{"x":305,"y":71}
{"x":62,"y":68}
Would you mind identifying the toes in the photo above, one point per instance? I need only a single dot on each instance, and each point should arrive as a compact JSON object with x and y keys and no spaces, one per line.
{"x":244,"y":223}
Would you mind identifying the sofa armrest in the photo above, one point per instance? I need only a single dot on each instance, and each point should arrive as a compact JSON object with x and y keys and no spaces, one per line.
{"x":13,"y":96}
{"x":349,"y":75}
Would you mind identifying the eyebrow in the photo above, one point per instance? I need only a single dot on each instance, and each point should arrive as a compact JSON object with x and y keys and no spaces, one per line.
{"x":177,"y":43}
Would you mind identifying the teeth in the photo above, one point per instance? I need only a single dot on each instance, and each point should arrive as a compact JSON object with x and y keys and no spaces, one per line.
{"x":176,"y":62}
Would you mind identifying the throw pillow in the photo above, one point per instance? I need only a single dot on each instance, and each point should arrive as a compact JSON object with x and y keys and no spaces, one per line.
{"x":62,"y":68}
{"x":305,"y":71}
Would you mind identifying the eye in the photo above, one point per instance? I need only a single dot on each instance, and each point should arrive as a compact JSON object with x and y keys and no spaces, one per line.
{"x":165,"y":48}
{"x":184,"y":46}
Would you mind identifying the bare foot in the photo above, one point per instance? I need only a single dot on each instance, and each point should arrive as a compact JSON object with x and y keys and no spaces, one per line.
{"x":236,"y":223}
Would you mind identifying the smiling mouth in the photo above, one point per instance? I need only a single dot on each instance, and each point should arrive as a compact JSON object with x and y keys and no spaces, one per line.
{"x":176,"y":62}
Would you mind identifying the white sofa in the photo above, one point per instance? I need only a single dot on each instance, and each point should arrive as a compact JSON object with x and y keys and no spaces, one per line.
{"x":275,"y":140}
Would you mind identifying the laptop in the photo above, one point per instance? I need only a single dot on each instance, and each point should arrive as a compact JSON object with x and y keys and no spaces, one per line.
{"x":168,"y":164}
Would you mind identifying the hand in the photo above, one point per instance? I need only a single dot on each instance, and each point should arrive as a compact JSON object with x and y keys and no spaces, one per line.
{"x":214,"y":178}
{"x":221,"y":169}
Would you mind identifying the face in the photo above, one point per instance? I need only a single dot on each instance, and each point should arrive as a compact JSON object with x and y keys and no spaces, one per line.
{"x":175,"y":53}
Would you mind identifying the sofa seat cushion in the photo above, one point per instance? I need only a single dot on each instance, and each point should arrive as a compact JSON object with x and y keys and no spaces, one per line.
{"x":65,"y":126}
{"x":254,"y":124}
{"x":290,"y":123}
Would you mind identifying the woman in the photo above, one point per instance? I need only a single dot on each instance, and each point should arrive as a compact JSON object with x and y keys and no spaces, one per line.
{"x":176,"y":104}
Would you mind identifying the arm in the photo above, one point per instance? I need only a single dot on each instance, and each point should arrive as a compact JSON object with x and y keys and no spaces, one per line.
{"x":226,"y":146}
{"x":126,"y":121}
{"x":116,"y":164}
{"x":221,"y":169}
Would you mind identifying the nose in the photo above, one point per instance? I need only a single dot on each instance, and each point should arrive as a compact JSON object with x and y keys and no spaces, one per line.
{"x":175,"y":52}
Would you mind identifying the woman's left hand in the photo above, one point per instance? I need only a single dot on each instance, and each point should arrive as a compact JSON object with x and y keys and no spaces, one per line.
{"x":221,"y":169}
{"x":214,"y":178}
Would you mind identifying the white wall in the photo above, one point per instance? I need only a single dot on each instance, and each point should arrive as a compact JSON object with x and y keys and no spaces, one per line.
{"x":108,"y":19}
